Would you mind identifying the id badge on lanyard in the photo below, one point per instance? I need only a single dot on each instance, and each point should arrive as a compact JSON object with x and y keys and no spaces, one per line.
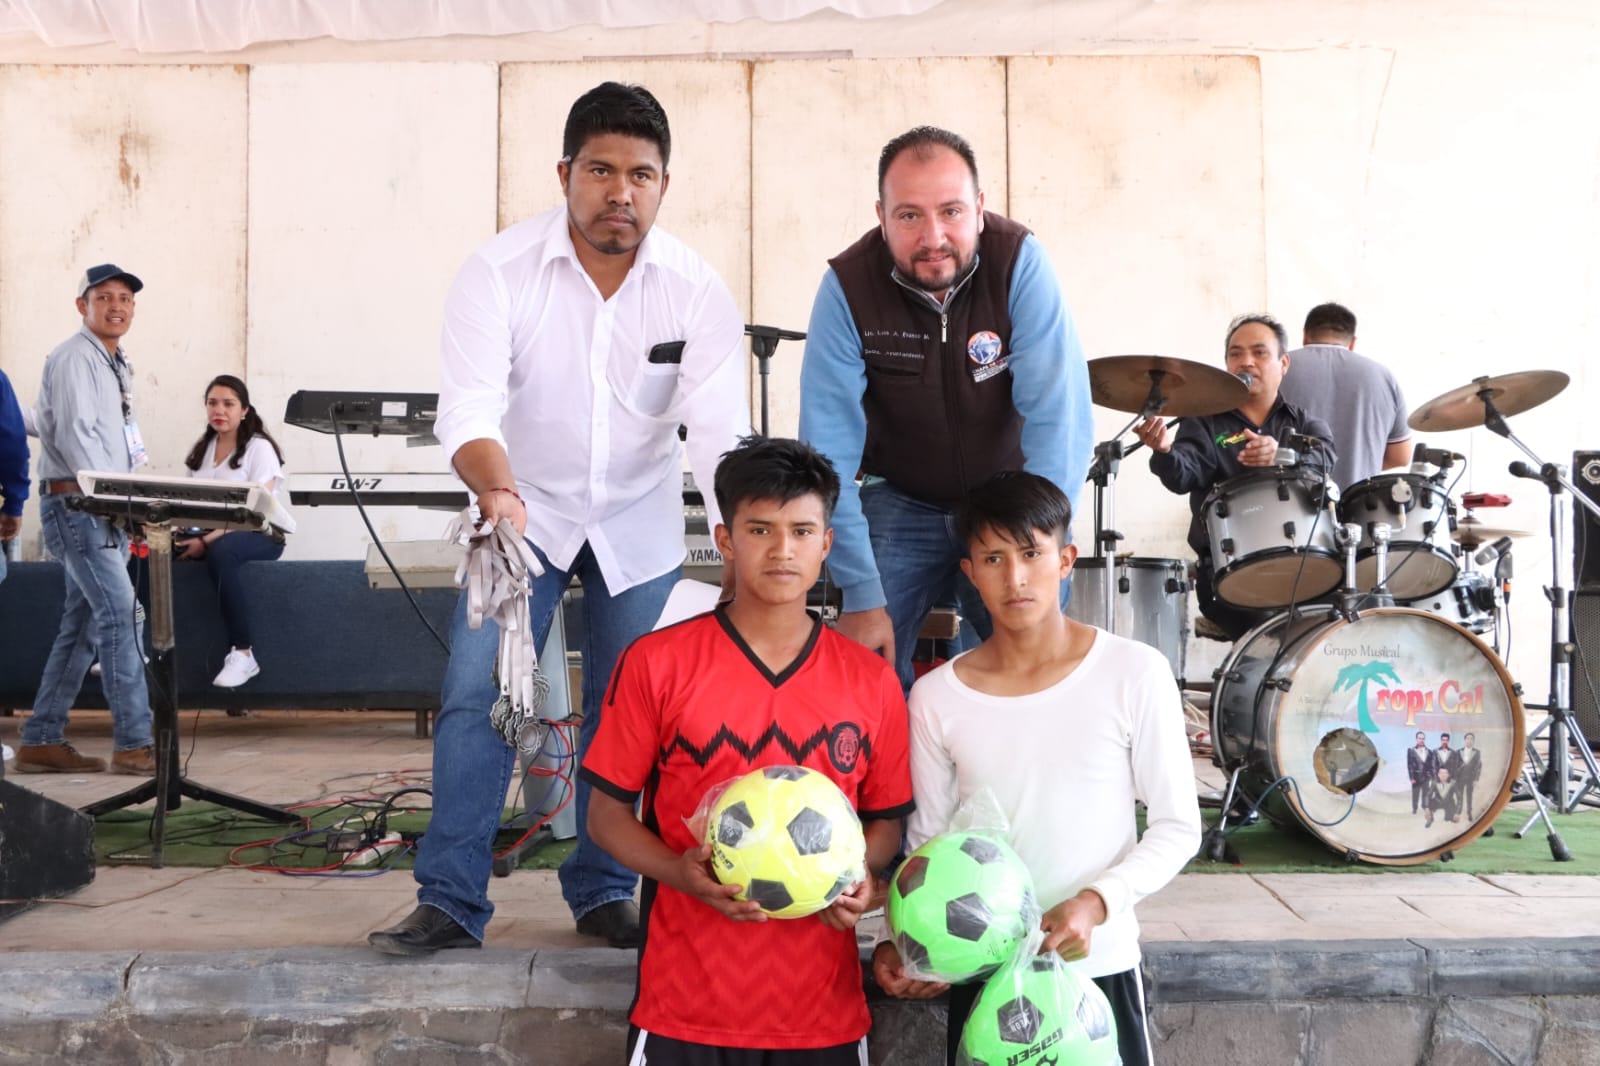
{"x":138,"y":455}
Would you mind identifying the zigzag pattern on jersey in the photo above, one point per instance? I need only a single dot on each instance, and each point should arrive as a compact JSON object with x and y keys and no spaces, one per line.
{"x":773,"y":734}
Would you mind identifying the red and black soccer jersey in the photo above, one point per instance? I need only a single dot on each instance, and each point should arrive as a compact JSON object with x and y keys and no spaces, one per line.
{"x":691,"y":707}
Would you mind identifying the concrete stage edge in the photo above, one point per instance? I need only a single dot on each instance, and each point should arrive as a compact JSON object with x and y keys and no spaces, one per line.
{"x":1282,"y":1003}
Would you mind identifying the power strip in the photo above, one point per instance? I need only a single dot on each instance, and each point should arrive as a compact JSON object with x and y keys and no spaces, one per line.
{"x":373,"y":854}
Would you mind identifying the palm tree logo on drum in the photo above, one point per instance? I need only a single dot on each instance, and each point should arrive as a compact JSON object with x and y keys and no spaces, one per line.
{"x":1361,"y":674}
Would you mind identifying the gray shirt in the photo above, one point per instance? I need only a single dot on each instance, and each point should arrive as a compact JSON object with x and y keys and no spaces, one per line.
{"x":79,"y":414}
{"x":1359,"y":399}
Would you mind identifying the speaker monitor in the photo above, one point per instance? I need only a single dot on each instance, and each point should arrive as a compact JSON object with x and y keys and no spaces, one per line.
{"x":1585,"y":526}
{"x":1586,"y":661}
{"x":46,"y":848}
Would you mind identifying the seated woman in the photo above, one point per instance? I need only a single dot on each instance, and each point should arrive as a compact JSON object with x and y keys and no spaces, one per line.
{"x":235,"y":447}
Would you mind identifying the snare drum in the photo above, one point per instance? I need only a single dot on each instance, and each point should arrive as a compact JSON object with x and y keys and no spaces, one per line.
{"x":1472,"y":601}
{"x":1422,"y":559}
{"x":1273,"y":539}
{"x":1151,"y":603}
{"x":1335,"y":706}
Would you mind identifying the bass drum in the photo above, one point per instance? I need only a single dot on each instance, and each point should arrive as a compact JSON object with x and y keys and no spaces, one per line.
{"x":1151,"y":603}
{"x":1338,"y":707}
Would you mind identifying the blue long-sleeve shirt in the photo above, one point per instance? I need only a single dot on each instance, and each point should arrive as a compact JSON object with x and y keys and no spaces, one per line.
{"x":79,"y":415}
{"x":13,"y":450}
{"x":1049,"y":387}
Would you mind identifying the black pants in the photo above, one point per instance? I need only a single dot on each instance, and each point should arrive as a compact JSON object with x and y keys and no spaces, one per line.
{"x":1124,"y":990}
{"x":664,"y":1051}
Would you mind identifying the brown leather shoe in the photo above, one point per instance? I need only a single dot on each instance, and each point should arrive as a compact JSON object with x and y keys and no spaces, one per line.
{"x":60,"y":758}
{"x":140,"y":762}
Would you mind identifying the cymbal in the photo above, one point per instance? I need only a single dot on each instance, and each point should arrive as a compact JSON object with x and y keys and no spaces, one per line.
{"x":1470,"y":532}
{"x":1512,"y":394}
{"x":1123,"y":383}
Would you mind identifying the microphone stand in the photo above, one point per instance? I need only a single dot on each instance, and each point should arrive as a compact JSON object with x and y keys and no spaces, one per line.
{"x":1556,"y":780}
{"x":763,"y":342}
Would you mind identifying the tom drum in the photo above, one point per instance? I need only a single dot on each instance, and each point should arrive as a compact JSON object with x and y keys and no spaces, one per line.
{"x":1151,"y":603}
{"x":1273,"y":540}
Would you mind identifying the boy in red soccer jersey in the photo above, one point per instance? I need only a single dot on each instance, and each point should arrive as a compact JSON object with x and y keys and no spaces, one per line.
{"x":757,"y":682}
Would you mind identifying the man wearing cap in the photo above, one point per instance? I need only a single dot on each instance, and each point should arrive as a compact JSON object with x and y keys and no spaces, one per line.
{"x":85,"y":422}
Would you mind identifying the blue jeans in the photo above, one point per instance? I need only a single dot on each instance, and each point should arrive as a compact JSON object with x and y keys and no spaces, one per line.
{"x":97,"y":618}
{"x":919,"y":561}
{"x":472,"y":765}
{"x":224,"y":557}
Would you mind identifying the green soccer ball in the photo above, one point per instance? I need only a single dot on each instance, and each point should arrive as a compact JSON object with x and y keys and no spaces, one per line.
{"x":959,"y":905}
{"x":1040,"y":1010}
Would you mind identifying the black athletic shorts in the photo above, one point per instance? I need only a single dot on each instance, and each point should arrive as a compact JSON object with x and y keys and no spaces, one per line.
{"x":1125,"y":990}
{"x":651,"y":1049}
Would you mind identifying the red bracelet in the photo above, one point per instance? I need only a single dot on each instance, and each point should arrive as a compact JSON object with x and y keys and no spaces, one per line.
{"x":513,"y":493}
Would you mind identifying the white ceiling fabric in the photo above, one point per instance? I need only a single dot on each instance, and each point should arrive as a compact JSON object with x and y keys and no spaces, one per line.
{"x":165,"y":26}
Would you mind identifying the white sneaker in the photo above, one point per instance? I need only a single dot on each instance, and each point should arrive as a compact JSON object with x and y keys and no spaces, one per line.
{"x":237,"y":668}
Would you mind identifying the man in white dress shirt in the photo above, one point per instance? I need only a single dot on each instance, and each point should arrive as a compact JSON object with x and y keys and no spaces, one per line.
{"x":575,"y":344}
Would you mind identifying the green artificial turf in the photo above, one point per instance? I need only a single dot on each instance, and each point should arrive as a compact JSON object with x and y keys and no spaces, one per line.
{"x":202,"y":834}
{"x":1267,"y":849}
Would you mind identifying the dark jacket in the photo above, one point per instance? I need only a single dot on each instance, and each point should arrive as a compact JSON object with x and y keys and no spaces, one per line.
{"x":940,"y":420}
{"x":1206,"y":452}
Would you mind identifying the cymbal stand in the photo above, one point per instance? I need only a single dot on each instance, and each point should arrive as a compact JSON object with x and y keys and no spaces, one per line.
{"x":1556,"y":780}
{"x":1108,"y":456}
{"x":1558,"y":847}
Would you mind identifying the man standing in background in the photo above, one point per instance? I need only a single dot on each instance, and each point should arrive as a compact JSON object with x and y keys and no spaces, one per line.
{"x":1357,"y":397}
{"x":86,"y":422}
{"x":940,"y":352}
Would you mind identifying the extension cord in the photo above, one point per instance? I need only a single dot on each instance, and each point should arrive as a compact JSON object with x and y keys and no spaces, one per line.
{"x":373,"y":854}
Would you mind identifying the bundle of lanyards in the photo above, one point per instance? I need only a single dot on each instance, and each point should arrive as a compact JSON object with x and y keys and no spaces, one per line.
{"x":495,"y":573}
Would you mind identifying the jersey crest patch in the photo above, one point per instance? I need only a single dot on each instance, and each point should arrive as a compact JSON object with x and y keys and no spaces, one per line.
{"x":844,"y":747}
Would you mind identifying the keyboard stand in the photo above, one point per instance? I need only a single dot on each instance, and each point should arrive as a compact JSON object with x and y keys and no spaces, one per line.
{"x":169,"y":787}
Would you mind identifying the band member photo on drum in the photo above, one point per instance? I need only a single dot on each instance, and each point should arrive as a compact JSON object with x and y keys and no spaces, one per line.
{"x":1247,"y":443}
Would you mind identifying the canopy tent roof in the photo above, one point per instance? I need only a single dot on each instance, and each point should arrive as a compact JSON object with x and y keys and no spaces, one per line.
{"x":168,"y":26}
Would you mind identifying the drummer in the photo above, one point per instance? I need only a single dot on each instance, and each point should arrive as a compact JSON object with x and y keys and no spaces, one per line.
{"x":1205,"y":450}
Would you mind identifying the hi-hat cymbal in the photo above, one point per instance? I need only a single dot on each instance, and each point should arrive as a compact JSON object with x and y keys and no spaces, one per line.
{"x":1124,"y":382}
{"x":1512,"y":394}
{"x":1470,"y":532}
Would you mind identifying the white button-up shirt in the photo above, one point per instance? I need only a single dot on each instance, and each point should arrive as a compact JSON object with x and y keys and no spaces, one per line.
{"x":534,"y":358}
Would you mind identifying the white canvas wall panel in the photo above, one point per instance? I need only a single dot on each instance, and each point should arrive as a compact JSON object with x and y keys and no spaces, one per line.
{"x":369,"y":184}
{"x":143,"y":167}
{"x":1142,"y":175}
{"x":818,"y":128}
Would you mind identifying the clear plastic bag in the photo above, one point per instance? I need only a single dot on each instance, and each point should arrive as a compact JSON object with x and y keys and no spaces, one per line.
{"x":1038,"y":1008}
{"x":786,"y":834}
{"x":962,"y":902}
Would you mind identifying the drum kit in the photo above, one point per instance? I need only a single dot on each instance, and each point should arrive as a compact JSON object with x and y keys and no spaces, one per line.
{"x":1367,"y":708}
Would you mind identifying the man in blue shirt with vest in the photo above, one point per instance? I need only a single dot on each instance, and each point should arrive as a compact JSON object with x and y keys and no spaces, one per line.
{"x":940,"y":352}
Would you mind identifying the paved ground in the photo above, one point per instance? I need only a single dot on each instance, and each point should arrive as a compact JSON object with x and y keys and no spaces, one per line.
{"x":289,"y":757}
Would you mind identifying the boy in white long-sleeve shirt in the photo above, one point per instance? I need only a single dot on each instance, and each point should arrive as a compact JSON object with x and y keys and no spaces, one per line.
{"x":1068,"y":726}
